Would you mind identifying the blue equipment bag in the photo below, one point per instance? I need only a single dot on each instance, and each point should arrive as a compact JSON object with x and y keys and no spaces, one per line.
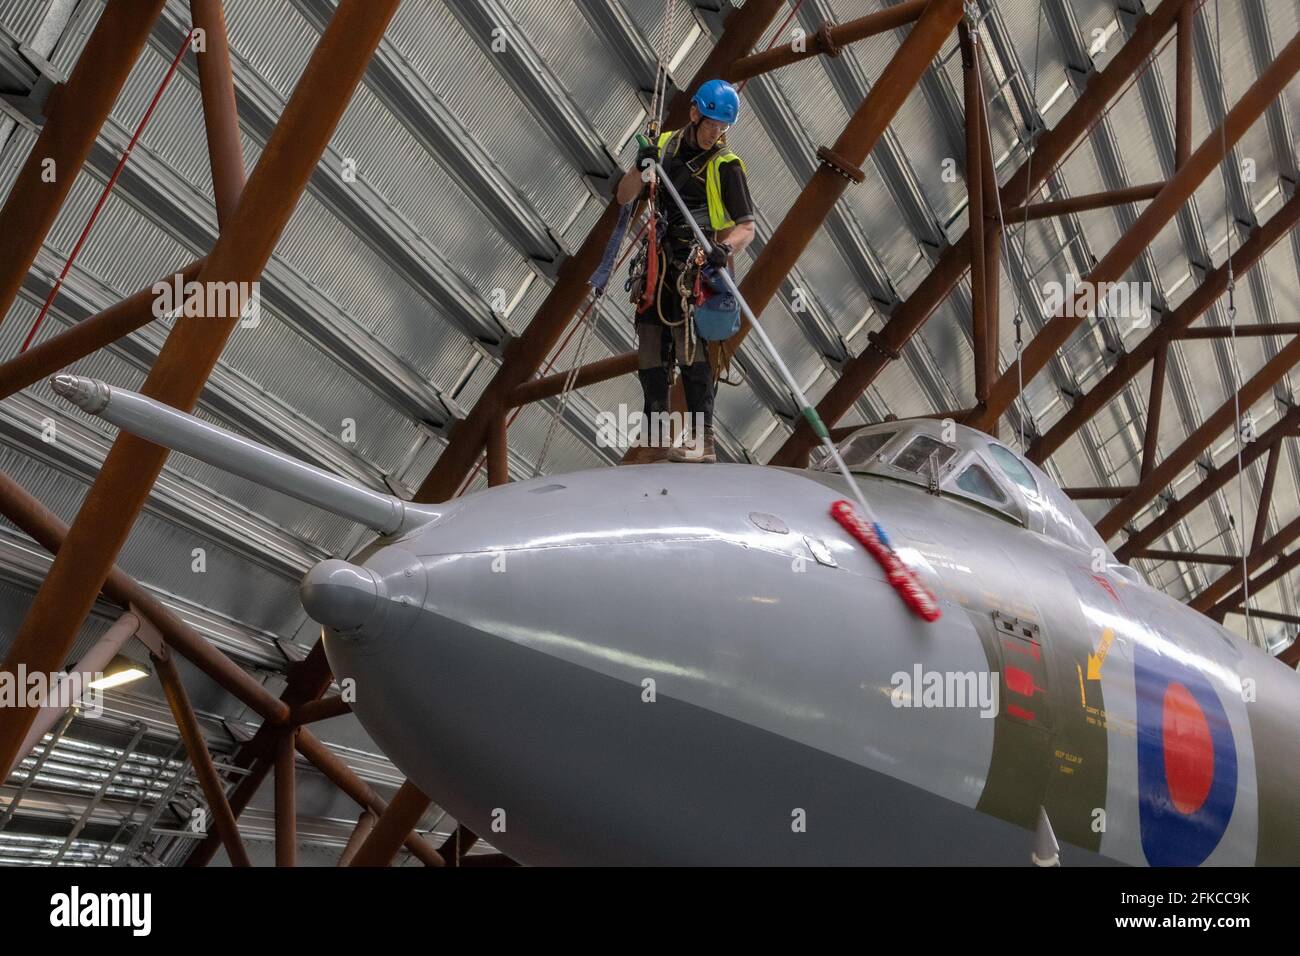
{"x":717,"y":318}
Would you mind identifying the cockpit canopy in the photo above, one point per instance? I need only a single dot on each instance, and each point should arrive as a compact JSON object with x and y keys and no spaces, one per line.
{"x":960,"y":462}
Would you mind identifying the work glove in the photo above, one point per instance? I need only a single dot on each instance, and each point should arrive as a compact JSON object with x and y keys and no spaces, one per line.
{"x":644,"y":155}
{"x":719,"y":254}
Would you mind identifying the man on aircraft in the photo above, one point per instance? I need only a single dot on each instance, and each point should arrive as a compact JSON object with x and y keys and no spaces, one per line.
{"x":712,"y":182}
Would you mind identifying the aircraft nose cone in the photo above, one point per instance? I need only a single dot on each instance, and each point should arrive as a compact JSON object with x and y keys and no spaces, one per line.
{"x":339,"y":595}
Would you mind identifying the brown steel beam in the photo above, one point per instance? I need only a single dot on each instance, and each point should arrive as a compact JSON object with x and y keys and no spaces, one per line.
{"x":457,"y":845}
{"x":1265,"y":498}
{"x":322,"y":709}
{"x":286,"y":801}
{"x":1223,"y":584}
{"x":816,"y":200}
{"x":220,"y":116}
{"x":223,"y":819}
{"x":75,"y":111}
{"x":488,"y":859}
{"x":1132,"y":362}
{"x":397,"y":820}
{"x":1268,"y":616}
{"x":1054,"y":335}
{"x":361,"y":793}
{"x":228,"y":177}
{"x":1191,"y":557}
{"x":86,"y":337}
{"x":1096,"y":492}
{"x":1183,"y":86}
{"x":551,"y":385}
{"x":498,"y":450}
{"x":1199,"y":440}
{"x":1156,"y":397}
{"x":828,"y":40}
{"x":307,"y":680}
{"x":1290,"y":655}
{"x":241,"y":252}
{"x":1101,"y":200}
{"x":973,"y":95}
{"x":44,"y":527}
{"x":216,"y":86}
{"x":1051,"y":149}
{"x":94,"y":661}
{"x":1241,"y":331}
{"x":1212,"y":482}
{"x":1284,"y":566}
{"x":525,"y":355}
{"x":761,"y":281}
{"x":365,"y":823}
{"x":992,"y":242}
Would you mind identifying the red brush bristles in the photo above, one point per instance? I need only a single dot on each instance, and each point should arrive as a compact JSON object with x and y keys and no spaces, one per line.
{"x":902,"y":578}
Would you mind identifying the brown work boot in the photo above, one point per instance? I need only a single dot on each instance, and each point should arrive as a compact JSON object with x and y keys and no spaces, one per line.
{"x":695,"y":449}
{"x":639,"y":454}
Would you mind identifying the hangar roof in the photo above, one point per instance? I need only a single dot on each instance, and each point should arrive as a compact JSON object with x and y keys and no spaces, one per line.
{"x":387,"y":304}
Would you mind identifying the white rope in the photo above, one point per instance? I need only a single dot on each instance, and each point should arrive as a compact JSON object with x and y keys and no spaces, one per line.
{"x":587,"y":323}
{"x":670,"y":26}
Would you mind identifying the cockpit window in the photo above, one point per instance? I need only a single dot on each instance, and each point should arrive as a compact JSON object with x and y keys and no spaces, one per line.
{"x":919,"y":452}
{"x":1014,"y":468}
{"x":978,"y":482}
{"x":860,"y":450}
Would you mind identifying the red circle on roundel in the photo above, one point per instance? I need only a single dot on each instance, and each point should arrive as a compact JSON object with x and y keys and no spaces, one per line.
{"x":1189,"y":750}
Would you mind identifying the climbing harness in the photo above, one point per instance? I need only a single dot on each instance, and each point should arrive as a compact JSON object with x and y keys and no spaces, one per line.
{"x":902,"y":578}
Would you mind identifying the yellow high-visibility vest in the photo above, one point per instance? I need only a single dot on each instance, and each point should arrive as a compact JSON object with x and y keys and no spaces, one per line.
{"x":719,"y":218}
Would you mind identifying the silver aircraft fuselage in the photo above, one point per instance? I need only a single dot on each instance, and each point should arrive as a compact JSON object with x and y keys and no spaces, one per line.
{"x":696,"y":664}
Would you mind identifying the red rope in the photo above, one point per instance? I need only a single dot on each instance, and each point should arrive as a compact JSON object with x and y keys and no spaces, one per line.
{"x":103,"y":197}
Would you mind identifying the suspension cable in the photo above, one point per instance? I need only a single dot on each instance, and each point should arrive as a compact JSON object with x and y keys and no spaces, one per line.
{"x":1003,"y":236}
{"x":1232,"y":339}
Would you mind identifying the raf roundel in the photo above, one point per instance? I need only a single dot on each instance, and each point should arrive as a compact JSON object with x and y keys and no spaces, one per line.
{"x":1187,"y":761}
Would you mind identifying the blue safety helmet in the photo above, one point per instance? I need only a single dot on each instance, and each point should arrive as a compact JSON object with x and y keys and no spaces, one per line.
{"x":718,"y":100}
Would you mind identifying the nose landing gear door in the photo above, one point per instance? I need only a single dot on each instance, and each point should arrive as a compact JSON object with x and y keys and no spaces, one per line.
{"x":1022,"y":735}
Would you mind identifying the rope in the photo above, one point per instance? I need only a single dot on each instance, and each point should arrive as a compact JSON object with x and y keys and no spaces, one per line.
{"x":550,"y":363}
{"x":569,"y":379}
{"x":103,"y":196}
{"x":670,"y":25}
